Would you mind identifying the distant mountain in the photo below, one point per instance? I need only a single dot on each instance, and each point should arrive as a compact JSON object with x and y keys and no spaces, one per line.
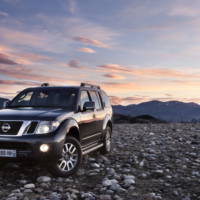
{"x":173,"y":111}
{"x":1,"y":102}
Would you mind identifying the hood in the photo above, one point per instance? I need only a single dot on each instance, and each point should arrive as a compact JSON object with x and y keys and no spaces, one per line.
{"x":35,"y":114}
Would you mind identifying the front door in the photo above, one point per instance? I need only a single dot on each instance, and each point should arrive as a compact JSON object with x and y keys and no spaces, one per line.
{"x":87,"y":120}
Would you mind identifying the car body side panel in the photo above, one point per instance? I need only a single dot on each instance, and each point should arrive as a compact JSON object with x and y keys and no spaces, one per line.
{"x":107,"y":118}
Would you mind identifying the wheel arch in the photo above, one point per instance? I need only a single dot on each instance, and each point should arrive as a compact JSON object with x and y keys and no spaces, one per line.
{"x":73,"y":129}
{"x":74,"y":132}
{"x":107,"y":122}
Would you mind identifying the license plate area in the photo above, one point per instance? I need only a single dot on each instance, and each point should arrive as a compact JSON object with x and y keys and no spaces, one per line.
{"x":8,"y":153}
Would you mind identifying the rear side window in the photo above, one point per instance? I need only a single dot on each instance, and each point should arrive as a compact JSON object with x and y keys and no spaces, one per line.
{"x":84,"y":98}
{"x":105,"y":99}
{"x":96,"y":99}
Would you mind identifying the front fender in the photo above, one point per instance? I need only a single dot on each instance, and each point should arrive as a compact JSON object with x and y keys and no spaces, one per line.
{"x":64,"y":128}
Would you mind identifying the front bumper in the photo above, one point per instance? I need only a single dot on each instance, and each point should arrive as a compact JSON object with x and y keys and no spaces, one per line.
{"x":28,"y":147}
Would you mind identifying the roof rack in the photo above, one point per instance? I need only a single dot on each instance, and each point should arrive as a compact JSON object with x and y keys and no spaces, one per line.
{"x":44,"y":84}
{"x":90,"y":85}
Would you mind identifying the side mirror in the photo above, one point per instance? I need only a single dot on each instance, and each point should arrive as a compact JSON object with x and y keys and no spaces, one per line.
{"x":89,"y":105}
{"x":6,"y":104}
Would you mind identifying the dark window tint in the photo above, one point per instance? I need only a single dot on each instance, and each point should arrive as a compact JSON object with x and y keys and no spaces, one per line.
{"x":24,"y":99}
{"x":84,"y":98}
{"x":96,"y":99}
{"x":105,"y":99}
{"x":46,"y":98}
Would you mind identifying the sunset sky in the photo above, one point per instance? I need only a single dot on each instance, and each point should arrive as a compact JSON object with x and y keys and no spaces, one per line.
{"x":137,"y":50}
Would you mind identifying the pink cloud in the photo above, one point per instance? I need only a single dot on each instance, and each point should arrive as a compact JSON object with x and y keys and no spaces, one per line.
{"x":4,"y":59}
{"x":114,"y":68}
{"x":24,"y":73}
{"x":14,"y":82}
{"x":91,"y":42}
{"x":87,"y":50}
{"x":149,"y":72}
{"x":114,"y":76}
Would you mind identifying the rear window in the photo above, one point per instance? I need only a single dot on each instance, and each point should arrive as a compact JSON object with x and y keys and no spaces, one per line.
{"x":105,"y":99}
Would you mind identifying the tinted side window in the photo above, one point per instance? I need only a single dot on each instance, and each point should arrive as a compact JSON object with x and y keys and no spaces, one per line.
{"x":84,"y":98}
{"x":105,"y":99}
{"x":96,"y":99}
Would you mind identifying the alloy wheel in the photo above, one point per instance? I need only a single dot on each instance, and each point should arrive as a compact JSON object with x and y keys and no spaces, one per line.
{"x":69,"y":158}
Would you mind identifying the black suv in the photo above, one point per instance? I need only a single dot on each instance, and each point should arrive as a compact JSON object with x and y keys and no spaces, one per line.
{"x":56,"y":125}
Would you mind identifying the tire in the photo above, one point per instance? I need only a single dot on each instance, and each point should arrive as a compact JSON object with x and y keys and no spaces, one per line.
{"x":107,"y":141}
{"x":3,"y":163}
{"x":70,"y":160}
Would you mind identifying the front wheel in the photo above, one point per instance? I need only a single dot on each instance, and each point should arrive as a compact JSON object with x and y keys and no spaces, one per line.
{"x":70,"y":160}
{"x":107,"y":141}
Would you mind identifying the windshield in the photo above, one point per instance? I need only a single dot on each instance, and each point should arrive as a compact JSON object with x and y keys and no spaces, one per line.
{"x":65,"y":98}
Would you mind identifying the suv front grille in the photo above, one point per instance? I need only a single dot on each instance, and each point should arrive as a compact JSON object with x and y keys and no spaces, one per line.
{"x":10,"y":127}
{"x":32,"y":127}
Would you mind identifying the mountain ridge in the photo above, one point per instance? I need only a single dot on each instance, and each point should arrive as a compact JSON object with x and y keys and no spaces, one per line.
{"x":172,"y":111}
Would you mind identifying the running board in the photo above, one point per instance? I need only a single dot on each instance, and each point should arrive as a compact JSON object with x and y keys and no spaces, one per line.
{"x":92,"y":149}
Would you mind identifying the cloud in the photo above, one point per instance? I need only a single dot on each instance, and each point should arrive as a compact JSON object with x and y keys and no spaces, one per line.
{"x":86,"y":50}
{"x":150,"y":72}
{"x":5,"y":49}
{"x":127,"y":100}
{"x":4,"y":59}
{"x":185,"y":8}
{"x":114,"y":68}
{"x":14,"y":82}
{"x":91,"y":42}
{"x":21,"y":37}
{"x":114,"y":76}
{"x":74,"y":64}
{"x":24,"y":73}
{"x":24,"y":58}
{"x":3,"y":14}
{"x":117,"y":87}
{"x":31,"y":58}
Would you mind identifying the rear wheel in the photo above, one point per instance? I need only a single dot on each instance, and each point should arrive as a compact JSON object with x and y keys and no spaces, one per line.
{"x":107,"y":141}
{"x":70,"y":159}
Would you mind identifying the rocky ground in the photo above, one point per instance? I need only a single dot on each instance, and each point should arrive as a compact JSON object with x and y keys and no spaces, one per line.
{"x":148,"y":162}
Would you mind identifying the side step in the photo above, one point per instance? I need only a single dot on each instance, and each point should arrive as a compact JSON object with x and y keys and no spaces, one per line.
{"x":88,"y":150}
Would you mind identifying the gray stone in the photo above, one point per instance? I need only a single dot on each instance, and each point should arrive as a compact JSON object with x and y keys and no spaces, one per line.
{"x":29,"y":186}
{"x":43,"y":179}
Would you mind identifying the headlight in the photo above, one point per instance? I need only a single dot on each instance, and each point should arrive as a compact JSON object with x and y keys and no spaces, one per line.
{"x":47,"y":127}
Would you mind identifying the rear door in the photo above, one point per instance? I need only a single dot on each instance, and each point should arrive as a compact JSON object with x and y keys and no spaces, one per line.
{"x":99,"y":113}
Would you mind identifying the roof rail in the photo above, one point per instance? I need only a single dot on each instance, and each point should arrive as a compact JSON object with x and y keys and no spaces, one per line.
{"x":44,"y":84}
{"x":90,"y":85}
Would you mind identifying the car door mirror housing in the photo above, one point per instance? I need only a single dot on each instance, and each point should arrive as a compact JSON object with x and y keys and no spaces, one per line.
{"x":89,"y":105}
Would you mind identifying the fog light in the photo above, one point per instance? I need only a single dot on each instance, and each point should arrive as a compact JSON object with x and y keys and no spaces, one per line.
{"x":44,"y":147}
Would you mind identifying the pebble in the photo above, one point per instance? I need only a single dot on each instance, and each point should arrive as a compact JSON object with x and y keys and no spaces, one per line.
{"x":29,"y":186}
{"x":43,"y":179}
